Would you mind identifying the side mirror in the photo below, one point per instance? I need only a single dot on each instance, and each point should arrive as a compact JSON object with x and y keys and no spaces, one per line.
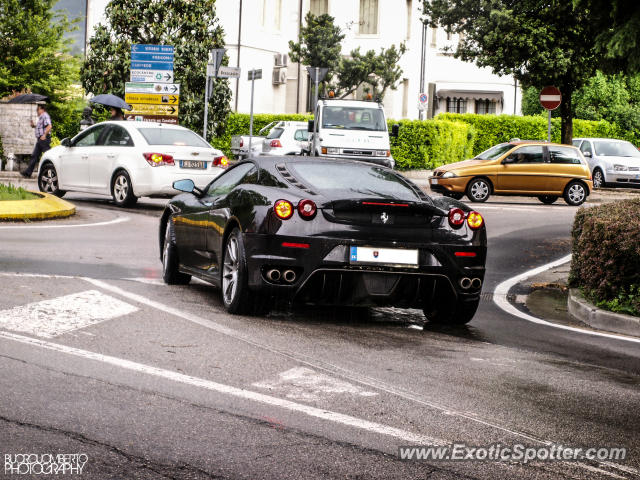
{"x":65,"y":142}
{"x":395,"y":130}
{"x":185,"y":185}
{"x":587,"y":154}
{"x":310,"y":126}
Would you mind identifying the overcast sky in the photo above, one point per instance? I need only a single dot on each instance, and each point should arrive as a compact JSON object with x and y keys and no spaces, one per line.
{"x":75,"y":9}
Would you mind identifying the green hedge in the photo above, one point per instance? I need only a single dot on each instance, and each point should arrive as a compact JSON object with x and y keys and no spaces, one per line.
{"x":421,"y":144}
{"x":493,"y":129}
{"x":431,"y":143}
{"x":606,"y":255}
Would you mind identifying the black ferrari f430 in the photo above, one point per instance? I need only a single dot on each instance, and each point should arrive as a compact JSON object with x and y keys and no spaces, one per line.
{"x":325,"y":232}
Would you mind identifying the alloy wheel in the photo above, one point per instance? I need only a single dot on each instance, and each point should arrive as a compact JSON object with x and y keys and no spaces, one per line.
{"x":49,"y":180}
{"x":165,"y":249}
{"x":230,"y":271}
{"x":479,"y":190}
{"x":121,"y":188}
{"x":598,"y":179}
{"x":576,"y":193}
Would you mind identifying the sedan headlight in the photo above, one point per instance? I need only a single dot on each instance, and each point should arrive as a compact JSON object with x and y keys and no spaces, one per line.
{"x":620,"y":168}
{"x":449,"y":175}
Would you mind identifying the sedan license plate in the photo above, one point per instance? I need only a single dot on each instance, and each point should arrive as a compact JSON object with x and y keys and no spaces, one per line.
{"x":387,"y":256}
{"x":434,"y":181}
{"x":201,"y":164}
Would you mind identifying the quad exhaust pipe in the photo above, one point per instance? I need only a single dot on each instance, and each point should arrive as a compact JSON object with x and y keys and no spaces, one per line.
{"x":289,"y":276}
{"x":466,"y":283}
{"x":273,"y":275}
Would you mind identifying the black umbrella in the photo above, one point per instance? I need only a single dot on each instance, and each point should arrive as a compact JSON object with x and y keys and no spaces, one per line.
{"x":109,"y":100}
{"x":29,"y":98}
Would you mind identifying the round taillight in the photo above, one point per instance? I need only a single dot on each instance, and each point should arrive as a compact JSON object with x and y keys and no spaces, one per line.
{"x":307,"y":208}
{"x":475,"y":220}
{"x":283,"y":209}
{"x":456,"y":217}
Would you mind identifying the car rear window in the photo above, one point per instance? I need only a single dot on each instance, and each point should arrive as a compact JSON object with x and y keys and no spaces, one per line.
{"x":172,"y":136}
{"x":275,"y":133}
{"x":355,"y":179}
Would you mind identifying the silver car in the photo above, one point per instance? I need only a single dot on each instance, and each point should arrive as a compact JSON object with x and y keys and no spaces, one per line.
{"x":612,"y":162}
{"x":286,"y":138}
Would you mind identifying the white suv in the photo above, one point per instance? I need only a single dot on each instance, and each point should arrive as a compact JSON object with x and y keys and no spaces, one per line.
{"x":612,"y":162}
{"x":286,"y":138}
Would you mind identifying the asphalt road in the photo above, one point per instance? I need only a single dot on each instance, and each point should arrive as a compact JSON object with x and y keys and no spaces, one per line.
{"x":155,"y":381}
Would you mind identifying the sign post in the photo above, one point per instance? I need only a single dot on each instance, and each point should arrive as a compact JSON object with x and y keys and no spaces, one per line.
{"x":317,"y":74}
{"x":253,"y":76}
{"x":215,"y":59}
{"x":550,"y":98}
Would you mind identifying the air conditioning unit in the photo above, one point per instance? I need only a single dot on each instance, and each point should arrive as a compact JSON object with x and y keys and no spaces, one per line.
{"x":285,"y":59}
{"x":277,"y":60}
{"x":279,"y":76}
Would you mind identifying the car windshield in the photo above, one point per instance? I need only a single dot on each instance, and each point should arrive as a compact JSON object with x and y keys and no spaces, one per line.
{"x":353,"y":180}
{"x":615,"y":149}
{"x":354,"y":118}
{"x":494,"y":152}
{"x":172,"y":136}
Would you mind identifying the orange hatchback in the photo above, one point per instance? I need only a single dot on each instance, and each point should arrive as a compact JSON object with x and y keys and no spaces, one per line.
{"x":526,"y":168}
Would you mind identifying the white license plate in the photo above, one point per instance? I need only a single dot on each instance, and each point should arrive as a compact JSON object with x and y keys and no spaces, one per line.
{"x":434,"y":181}
{"x":193,"y":164}
{"x":388,"y":256}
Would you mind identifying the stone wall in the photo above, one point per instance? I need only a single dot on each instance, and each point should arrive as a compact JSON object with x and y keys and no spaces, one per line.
{"x":18,"y":137}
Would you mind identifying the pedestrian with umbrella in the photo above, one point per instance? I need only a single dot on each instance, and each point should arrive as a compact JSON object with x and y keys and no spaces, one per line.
{"x":115,"y":104}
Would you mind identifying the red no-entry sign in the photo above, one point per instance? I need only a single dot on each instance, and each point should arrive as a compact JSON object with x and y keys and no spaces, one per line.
{"x":550,"y":98}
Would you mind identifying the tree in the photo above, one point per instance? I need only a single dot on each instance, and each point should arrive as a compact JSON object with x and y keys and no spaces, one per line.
{"x":319,"y":45}
{"x":190,"y":26}
{"x":538,"y":42}
{"x":617,"y":24}
{"x":35,"y":54}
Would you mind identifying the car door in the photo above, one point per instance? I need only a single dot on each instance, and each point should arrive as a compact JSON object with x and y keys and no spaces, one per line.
{"x":74,"y":172}
{"x":301,"y":138}
{"x":587,"y":151}
{"x":116,"y":144}
{"x":524,"y":170}
{"x":220,"y":200}
{"x":565,"y":164}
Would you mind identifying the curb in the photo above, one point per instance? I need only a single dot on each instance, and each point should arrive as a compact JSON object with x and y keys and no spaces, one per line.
{"x":46,"y":207}
{"x":602,"y":319}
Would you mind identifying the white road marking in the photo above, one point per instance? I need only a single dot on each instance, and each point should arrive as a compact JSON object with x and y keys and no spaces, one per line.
{"x":73,"y":225}
{"x":348,"y":420}
{"x":500,"y":299}
{"x":50,"y":318}
{"x":302,"y":383}
{"x":329,"y":368}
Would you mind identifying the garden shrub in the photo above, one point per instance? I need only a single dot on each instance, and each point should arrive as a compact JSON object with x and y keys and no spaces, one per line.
{"x":606,"y":255}
{"x":494,"y":129}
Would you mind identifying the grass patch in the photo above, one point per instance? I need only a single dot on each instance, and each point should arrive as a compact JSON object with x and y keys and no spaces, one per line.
{"x":11,"y":192}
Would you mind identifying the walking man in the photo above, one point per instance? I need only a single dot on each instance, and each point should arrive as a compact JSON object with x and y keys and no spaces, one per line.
{"x":43,"y":139}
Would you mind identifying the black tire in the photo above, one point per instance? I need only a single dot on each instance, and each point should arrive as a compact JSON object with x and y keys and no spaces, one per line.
{"x":454,"y":195}
{"x":598,"y":179}
{"x":452,"y":313}
{"x":575,"y":193}
{"x":236,"y":296}
{"x":48,"y":180}
{"x":122,"y":190}
{"x":547,"y":199}
{"x":478,"y":190}
{"x":170,"y":272}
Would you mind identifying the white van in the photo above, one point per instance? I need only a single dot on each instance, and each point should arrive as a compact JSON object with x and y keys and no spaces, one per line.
{"x":351,"y":129}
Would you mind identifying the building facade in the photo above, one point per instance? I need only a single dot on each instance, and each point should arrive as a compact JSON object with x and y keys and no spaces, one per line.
{"x":257,"y":35}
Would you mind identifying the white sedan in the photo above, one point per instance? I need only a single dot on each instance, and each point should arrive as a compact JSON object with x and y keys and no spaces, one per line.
{"x":128,"y":160}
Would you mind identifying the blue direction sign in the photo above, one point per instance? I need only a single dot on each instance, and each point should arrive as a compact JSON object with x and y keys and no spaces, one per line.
{"x":152,"y":57}
{"x":151,"y":66}
{"x":137,"y":47}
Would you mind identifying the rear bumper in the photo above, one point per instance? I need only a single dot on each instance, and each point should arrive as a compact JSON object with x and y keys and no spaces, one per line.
{"x":325,"y":276}
{"x":158,"y":181}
